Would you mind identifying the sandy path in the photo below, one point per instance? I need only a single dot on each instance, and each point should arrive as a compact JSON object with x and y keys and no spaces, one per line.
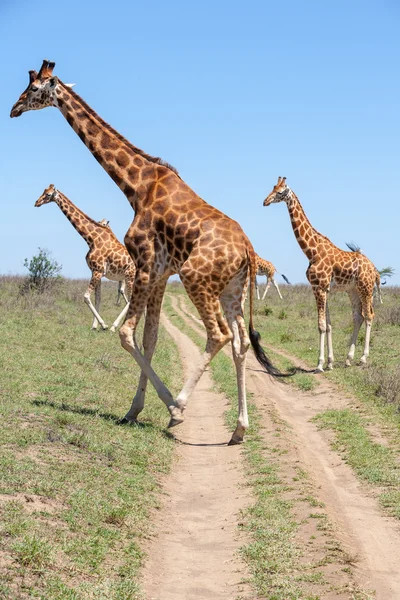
{"x":368,"y":535}
{"x":194,"y":555}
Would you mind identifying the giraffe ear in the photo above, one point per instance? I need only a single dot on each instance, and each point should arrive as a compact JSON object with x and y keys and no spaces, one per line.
{"x":69,"y":85}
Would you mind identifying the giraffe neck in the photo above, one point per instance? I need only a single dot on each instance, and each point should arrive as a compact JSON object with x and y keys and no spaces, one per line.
{"x":84,"y":225}
{"x":307,"y":237}
{"x":129,"y":167}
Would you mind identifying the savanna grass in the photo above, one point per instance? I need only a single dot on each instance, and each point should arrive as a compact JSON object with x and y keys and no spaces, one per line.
{"x":76,"y":488}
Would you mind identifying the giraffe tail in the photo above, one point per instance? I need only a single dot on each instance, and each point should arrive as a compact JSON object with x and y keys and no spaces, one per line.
{"x":255,"y":337}
{"x":378,"y":286}
{"x":285,"y":278}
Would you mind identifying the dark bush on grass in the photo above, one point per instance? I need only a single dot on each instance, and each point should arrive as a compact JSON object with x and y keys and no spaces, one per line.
{"x":386,"y":383}
{"x":388,"y":315}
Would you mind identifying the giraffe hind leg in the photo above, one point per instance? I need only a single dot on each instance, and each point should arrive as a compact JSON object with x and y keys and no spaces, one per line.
{"x":357,"y":322}
{"x":240,"y":345}
{"x":218,"y":334}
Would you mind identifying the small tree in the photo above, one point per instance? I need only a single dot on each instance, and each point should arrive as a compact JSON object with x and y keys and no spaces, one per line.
{"x":43,"y":271}
{"x":385,"y":273}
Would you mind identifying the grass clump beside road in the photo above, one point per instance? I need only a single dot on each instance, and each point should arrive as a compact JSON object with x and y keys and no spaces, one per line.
{"x":76,"y":488}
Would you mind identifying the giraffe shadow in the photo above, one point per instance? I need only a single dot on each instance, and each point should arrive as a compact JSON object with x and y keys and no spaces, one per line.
{"x":91,"y":412}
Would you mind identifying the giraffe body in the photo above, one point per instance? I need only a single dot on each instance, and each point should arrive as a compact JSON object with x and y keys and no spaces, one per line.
{"x":173,"y":231}
{"x":106,"y":257}
{"x":267,"y":269}
{"x":329,"y":266}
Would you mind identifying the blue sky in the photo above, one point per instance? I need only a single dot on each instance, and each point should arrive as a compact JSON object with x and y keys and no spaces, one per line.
{"x":232,"y":94}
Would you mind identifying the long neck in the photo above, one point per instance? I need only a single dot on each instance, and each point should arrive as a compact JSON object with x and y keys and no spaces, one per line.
{"x":307,"y":237}
{"x":129,"y":167}
{"x":85,"y":226}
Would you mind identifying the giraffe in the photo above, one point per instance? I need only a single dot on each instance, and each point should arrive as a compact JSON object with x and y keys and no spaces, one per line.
{"x":173,"y":231}
{"x":107,"y":257}
{"x":347,"y":271}
{"x":264,"y":267}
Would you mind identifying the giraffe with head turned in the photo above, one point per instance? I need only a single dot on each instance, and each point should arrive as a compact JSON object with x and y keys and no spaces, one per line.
{"x":173,"y":231}
{"x":267,"y":269}
{"x":107,"y":257}
{"x":329,"y":265}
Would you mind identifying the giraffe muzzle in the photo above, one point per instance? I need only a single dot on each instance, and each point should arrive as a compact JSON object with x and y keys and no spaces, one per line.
{"x":16,"y":110}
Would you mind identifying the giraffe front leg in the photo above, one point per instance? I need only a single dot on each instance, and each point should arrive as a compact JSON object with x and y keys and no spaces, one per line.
{"x":95,"y":284}
{"x":120,"y":318}
{"x":150,"y":334}
{"x":257,"y":289}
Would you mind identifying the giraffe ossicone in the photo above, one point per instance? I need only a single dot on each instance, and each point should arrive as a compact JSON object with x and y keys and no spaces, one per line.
{"x":107,"y":257}
{"x":173,"y":231}
{"x":351,"y":272}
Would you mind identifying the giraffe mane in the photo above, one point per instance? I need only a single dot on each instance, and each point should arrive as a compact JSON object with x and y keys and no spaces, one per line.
{"x":154,"y":159}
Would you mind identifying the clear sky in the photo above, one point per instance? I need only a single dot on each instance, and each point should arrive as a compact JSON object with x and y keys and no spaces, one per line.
{"x":232,"y":94}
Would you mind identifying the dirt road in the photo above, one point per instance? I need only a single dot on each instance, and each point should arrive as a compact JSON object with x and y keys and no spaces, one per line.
{"x":194,"y":554}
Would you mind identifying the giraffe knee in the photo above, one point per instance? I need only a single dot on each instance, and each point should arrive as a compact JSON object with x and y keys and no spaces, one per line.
{"x":126,"y":337}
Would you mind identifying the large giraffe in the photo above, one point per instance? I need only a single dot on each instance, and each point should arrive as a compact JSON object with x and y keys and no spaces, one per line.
{"x":173,"y":231}
{"x":107,"y":257}
{"x":264,"y":267}
{"x":348,"y":271}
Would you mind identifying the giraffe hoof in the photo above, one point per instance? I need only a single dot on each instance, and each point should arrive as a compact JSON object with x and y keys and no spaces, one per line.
{"x":125,"y":421}
{"x":175,"y":421}
{"x":112,"y":329}
{"x":319,"y":370}
{"x":348,"y":363}
{"x":330,"y":367}
{"x":235,"y":441}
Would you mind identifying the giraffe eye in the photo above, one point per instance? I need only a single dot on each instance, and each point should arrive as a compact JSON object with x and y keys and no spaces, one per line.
{"x":34,"y":88}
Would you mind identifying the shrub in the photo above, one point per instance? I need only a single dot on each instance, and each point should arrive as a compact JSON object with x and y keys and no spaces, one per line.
{"x":44,"y":272}
{"x":386,"y":383}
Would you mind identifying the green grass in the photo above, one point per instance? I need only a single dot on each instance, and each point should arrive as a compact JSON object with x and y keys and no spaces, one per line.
{"x":373,"y":462}
{"x":274,"y":554}
{"x":76,"y":488}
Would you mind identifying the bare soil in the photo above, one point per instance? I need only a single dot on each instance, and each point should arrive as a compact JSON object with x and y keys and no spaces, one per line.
{"x":194,"y":554}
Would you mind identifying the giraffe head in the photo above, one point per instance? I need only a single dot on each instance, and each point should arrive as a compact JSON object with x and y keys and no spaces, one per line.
{"x":49,"y":195}
{"x":41,"y":91}
{"x":280,"y":193}
{"x":105,"y":223}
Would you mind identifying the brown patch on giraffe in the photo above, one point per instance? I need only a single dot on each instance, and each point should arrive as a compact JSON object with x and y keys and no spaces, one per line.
{"x":107,"y":142}
{"x":122,"y":159}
